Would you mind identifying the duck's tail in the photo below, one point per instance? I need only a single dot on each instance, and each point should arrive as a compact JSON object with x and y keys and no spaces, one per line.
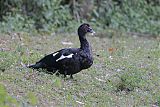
{"x":36,"y":66}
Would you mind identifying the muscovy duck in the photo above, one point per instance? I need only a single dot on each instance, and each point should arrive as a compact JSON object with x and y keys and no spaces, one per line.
{"x":69,"y":61}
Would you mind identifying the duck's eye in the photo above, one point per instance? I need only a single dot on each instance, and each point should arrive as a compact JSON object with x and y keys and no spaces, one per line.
{"x":90,"y":30}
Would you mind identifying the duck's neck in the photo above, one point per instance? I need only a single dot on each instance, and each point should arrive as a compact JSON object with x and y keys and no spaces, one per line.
{"x":84,"y":45}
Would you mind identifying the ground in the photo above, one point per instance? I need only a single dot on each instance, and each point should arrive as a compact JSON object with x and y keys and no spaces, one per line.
{"x":125,"y":73}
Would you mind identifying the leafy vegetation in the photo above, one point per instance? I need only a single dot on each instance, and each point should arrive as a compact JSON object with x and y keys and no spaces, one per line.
{"x":32,"y":98}
{"x":63,"y":15}
{"x":5,"y":99}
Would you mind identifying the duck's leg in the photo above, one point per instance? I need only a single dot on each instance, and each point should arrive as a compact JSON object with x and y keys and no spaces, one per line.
{"x":71,"y":76}
{"x":65,"y":74}
{"x":57,"y":74}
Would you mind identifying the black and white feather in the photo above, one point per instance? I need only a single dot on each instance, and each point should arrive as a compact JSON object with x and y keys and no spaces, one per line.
{"x":69,"y":61}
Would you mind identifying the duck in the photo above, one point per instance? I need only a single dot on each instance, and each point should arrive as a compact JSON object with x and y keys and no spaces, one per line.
{"x":69,"y":61}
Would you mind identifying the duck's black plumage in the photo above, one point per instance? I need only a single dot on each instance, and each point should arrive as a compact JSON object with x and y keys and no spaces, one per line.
{"x":69,"y":61}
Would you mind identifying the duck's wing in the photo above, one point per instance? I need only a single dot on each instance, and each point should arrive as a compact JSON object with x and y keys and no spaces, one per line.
{"x":65,"y":54}
{"x":50,"y":61}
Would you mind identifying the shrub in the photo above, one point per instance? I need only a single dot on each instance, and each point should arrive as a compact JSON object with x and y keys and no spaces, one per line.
{"x":49,"y":15}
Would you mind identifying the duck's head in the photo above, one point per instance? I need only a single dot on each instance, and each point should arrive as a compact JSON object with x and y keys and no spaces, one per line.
{"x":85,"y":28}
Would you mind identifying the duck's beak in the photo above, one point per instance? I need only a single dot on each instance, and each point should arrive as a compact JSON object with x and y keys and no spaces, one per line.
{"x":90,"y":30}
{"x":93,"y":32}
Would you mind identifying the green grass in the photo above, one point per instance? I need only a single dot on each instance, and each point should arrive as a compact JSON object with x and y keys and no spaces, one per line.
{"x":125,"y":73}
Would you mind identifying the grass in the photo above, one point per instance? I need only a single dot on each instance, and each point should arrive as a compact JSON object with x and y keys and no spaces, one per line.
{"x":125,"y":73}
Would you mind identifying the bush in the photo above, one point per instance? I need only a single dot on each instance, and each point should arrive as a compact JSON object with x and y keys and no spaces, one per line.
{"x":131,"y":16}
{"x":50,"y":15}
{"x":45,"y":15}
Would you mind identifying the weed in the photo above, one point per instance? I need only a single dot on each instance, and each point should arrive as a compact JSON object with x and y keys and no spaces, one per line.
{"x":5,"y":99}
{"x":32,"y":99}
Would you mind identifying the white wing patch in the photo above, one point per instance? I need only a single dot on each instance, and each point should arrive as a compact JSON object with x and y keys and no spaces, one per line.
{"x":55,"y":53}
{"x":63,"y":57}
